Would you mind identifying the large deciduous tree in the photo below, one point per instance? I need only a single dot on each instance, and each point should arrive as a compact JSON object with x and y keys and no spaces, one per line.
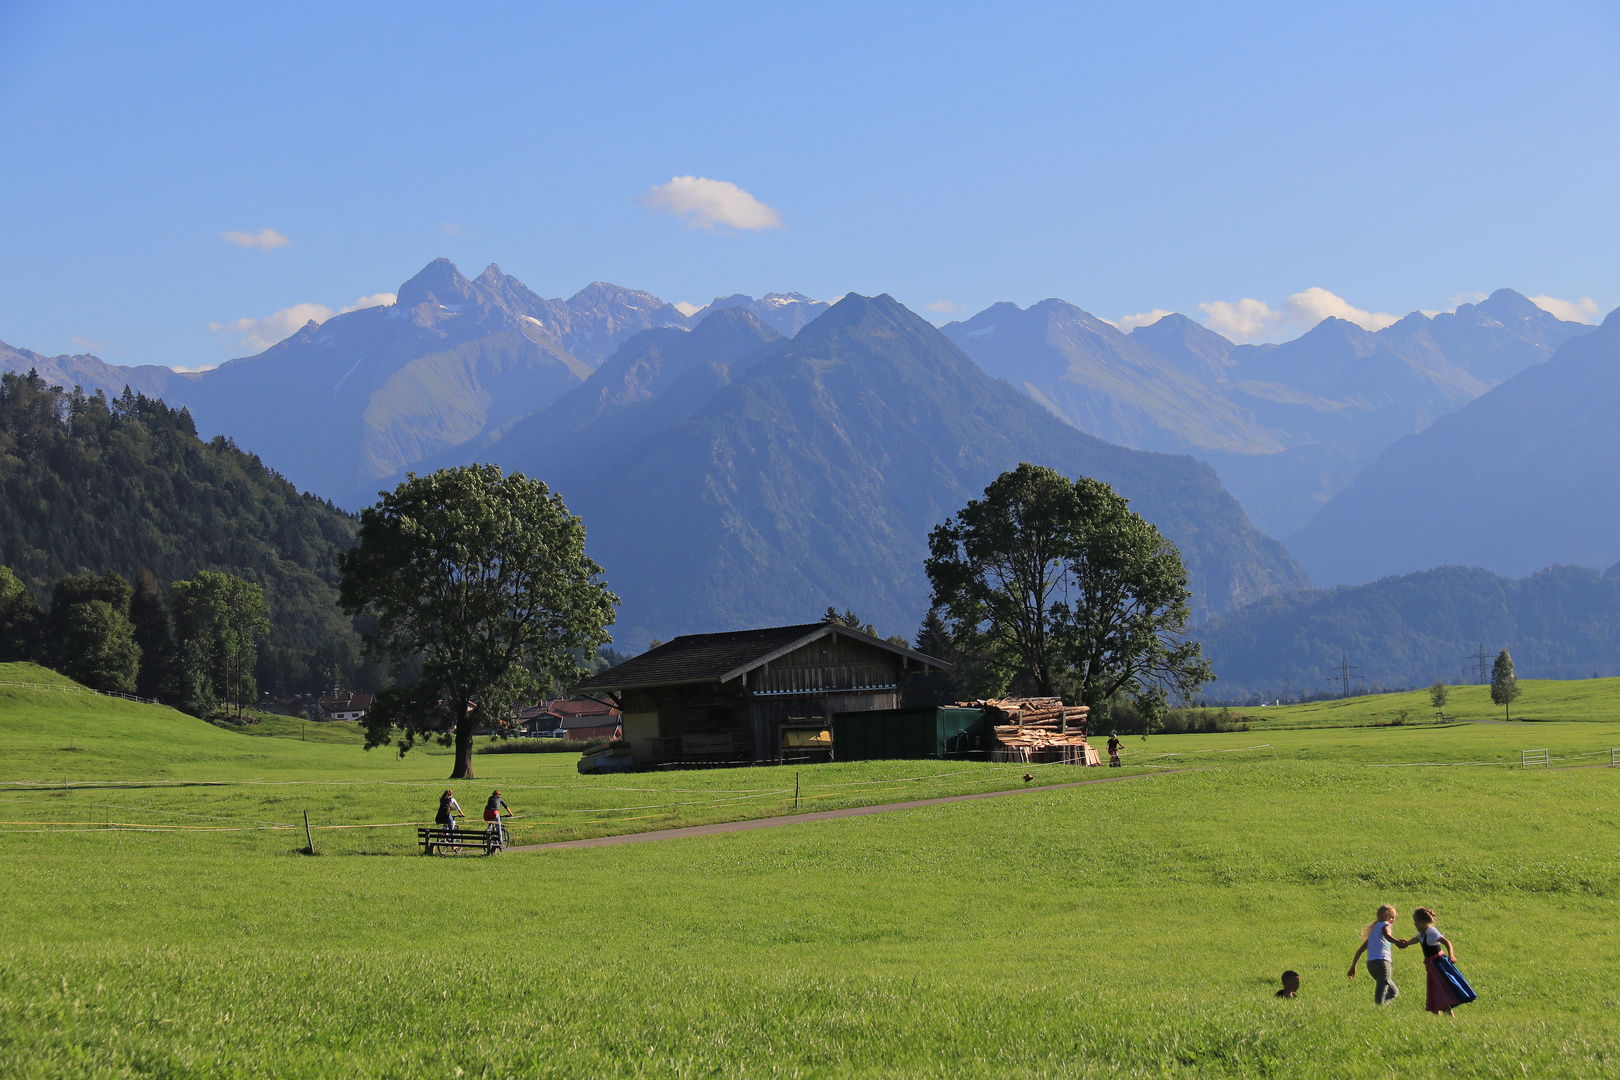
{"x":89,"y":634}
{"x":98,"y":647}
{"x":1058,"y":585}
{"x":482,"y":580}
{"x":21,"y":621}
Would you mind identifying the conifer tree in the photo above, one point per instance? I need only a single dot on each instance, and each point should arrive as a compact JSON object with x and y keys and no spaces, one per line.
{"x":154,"y":633}
{"x":226,"y":615}
{"x":1504,"y":685}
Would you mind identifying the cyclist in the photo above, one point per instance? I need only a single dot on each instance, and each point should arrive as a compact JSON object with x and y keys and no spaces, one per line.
{"x":492,"y":813}
{"x":448,"y":809}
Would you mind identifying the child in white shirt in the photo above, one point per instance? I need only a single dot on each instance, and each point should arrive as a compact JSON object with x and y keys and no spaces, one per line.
{"x":1376,"y":943}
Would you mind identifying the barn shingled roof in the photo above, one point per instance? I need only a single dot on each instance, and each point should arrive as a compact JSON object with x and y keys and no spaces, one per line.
{"x":696,"y":658}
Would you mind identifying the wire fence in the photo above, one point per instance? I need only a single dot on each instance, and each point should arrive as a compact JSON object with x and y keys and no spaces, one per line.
{"x":850,"y":789}
{"x":79,"y":690}
{"x":1527,"y":759}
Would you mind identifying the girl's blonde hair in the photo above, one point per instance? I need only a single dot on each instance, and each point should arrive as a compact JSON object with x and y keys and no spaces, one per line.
{"x":1386,"y":913}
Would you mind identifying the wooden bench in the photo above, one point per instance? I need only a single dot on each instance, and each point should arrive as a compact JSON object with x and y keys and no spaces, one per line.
{"x":437,"y":836}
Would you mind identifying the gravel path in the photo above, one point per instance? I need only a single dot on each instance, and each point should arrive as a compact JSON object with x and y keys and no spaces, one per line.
{"x":820,"y":815}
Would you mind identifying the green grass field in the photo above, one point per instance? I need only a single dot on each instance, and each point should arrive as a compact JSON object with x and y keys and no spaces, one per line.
{"x":1120,"y":929}
{"x":1541,"y":700}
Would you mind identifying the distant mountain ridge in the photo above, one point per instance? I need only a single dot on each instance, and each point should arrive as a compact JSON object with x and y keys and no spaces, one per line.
{"x":457,"y":362}
{"x":343,"y":405}
{"x":1524,"y":477}
{"x":786,"y":313}
{"x":1286,"y":426}
{"x":734,"y":477}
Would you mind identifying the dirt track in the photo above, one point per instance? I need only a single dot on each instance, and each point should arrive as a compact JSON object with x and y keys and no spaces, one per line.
{"x":820,"y":815}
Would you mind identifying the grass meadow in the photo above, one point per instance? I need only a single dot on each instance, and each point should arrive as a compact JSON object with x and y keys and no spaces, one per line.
{"x":1122,"y":929}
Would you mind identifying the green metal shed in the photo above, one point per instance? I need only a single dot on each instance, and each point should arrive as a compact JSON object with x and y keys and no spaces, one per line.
{"x":943,"y":732}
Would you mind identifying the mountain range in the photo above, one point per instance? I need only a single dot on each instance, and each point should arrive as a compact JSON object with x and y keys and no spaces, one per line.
{"x":1372,"y":452}
{"x":348,"y":405}
{"x":731,"y":476}
{"x":1286,"y":426}
{"x":1524,"y":477}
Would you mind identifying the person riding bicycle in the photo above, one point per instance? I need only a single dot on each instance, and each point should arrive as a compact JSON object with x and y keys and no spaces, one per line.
{"x":492,"y":812}
{"x":448,"y":809}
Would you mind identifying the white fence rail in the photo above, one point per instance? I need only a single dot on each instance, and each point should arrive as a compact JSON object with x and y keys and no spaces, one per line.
{"x":79,"y":690}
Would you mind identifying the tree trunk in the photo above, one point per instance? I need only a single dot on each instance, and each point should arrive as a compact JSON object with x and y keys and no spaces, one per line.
{"x":464,"y":744}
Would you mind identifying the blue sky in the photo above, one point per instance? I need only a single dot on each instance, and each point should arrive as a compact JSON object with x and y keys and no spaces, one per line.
{"x":1124,"y":157}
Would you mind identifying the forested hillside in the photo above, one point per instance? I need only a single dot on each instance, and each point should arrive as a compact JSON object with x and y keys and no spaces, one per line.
{"x":90,"y":486}
{"x":1563,"y":623}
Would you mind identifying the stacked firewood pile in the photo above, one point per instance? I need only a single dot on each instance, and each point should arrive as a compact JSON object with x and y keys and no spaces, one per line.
{"x":1034,"y":724}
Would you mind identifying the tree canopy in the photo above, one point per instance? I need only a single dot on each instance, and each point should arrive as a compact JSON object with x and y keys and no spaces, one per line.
{"x":221,"y":618}
{"x":482,"y":580}
{"x":1058,"y":587}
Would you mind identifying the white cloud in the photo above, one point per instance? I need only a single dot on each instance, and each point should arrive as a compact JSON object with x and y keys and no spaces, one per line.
{"x":944,"y":307}
{"x":382,"y":299}
{"x":705,"y":203}
{"x":194,"y":370}
{"x":450,"y":228}
{"x":687,"y":308}
{"x":1254,"y":320}
{"x":1146,"y":318}
{"x":1246,"y":320}
{"x":264,"y":239}
{"x":1584,"y":310}
{"x":1306,"y":309}
{"x":257,"y":335}
{"x":89,"y":344}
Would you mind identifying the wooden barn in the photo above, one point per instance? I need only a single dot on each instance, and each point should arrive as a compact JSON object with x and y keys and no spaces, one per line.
{"x":748,"y":695}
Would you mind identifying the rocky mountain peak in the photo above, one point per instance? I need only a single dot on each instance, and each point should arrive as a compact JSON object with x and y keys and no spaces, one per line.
{"x":440,"y":283}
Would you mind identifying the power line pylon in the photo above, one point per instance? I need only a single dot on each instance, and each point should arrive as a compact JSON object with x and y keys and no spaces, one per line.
{"x":1344,"y":678}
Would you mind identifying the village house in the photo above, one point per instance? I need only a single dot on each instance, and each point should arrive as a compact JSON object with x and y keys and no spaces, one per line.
{"x":570,"y":718}
{"x":748,"y":695}
{"x":586,"y":718}
{"x":345,"y":706}
{"x":539,"y":722}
